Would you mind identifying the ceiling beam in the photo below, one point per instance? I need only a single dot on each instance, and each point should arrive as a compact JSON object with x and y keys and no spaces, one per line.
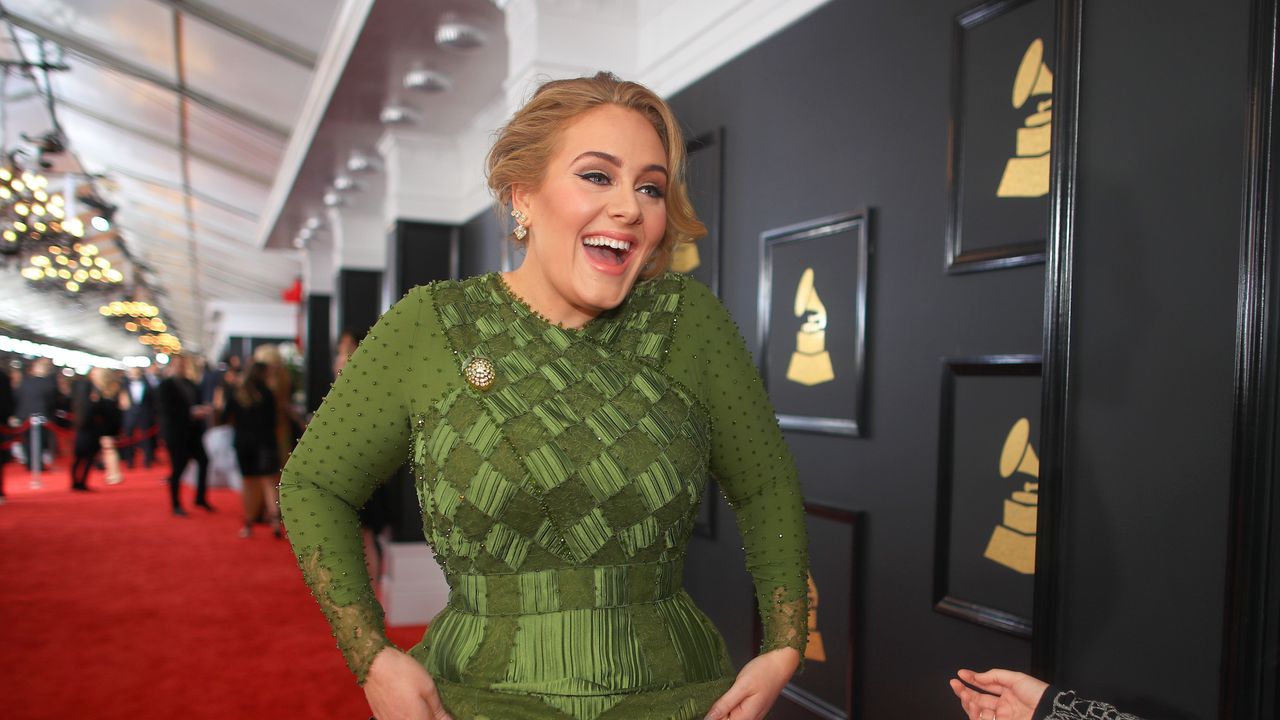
{"x":177,"y":188}
{"x":161,"y":141}
{"x":110,"y":60}
{"x":248,"y":32}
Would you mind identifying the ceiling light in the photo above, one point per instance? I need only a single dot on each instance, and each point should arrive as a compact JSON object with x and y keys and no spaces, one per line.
{"x":332,"y":198}
{"x":359,"y":162}
{"x":393,"y":114}
{"x":456,"y":34}
{"x":313,"y":223}
{"x":426,"y":80}
{"x":343,"y":182}
{"x":299,"y":243}
{"x":100,"y":223}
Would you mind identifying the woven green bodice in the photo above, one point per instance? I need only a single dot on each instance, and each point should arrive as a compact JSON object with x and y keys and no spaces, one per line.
{"x":558,"y":500}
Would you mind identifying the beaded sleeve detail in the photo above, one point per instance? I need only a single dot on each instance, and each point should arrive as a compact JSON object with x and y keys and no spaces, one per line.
{"x":1069,"y":706}
{"x":355,"y":441}
{"x":751,"y":461}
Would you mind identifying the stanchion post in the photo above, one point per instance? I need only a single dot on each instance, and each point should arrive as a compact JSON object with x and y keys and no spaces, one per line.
{"x":36,"y":461}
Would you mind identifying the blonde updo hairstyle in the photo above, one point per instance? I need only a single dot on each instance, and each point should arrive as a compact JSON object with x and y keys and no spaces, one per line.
{"x":525,"y":145}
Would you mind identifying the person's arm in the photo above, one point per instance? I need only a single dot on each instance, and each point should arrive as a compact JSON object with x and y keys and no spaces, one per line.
{"x":1058,"y":704}
{"x":1011,"y":695}
{"x":754,"y":467}
{"x":358,"y":437}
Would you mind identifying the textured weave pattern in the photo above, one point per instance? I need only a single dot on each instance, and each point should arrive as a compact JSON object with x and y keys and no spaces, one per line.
{"x":559,"y":499}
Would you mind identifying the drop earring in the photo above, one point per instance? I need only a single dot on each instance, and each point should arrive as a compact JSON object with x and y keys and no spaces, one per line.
{"x":521,"y":220}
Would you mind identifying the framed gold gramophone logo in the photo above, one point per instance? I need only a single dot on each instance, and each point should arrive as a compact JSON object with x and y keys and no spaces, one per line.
{"x":988,"y":490}
{"x":826,"y":688}
{"x":813,"y":318}
{"x":1001,"y":134}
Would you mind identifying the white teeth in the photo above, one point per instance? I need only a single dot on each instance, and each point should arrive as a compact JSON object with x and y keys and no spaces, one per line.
{"x":599,"y":241}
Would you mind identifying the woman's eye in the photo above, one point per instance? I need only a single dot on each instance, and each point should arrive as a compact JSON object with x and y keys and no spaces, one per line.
{"x":595,"y":177}
{"x":652,"y":191}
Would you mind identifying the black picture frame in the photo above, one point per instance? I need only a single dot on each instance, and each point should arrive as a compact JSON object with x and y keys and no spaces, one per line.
{"x":999,"y":151}
{"x":982,"y":519}
{"x":820,"y":392}
{"x":828,"y":691}
{"x":705,"y":181}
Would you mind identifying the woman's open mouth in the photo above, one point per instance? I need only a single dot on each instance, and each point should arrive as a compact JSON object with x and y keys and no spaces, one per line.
{"x":606,"y":253}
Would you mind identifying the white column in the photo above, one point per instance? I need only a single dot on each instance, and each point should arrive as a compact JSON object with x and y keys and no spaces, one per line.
{"x":318,"y":273}
{"x":555,"y":39}
{"x":359,"y":239}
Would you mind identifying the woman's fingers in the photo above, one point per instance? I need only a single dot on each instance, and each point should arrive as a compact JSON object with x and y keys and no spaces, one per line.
{"x":725,"y":705}
{"x":976,"y":705}
{"x":436,"y":707}
{"x":996,"y":678}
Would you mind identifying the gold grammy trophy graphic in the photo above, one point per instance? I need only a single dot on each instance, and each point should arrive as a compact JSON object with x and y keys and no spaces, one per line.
{"x":814,"y":650}
{"x":1027,"y":173}
{"x":810,"y":363}
{"x":1013,"y":542}
{"x":685,"y":257}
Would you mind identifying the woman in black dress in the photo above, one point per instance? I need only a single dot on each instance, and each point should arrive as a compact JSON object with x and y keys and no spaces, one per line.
{"x":97,"y":415}
{"x":251,"y":410}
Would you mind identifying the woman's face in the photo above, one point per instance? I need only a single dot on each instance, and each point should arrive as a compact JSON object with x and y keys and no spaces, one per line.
{"x":599,"y":212}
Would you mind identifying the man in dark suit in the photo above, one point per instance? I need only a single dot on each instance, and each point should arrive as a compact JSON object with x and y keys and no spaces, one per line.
{"x":182,"y":420}
{"x":139,"y":419}
{"x":36,"y":397}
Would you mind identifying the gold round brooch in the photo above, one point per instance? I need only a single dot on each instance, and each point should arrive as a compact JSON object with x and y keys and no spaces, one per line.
{"x":480,"y":373}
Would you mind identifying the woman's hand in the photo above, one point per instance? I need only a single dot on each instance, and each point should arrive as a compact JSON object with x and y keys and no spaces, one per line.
{"x":398,"y":688}
{"x":1014,"y":695}
{"x":757,"y":686}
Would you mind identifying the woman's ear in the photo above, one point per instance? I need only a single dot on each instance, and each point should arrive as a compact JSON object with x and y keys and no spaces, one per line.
{"x":521,"y":197}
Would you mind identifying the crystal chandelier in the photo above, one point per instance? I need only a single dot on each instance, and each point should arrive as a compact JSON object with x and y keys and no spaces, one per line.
{"x":29,"y":214}
{"x":75,"y":269}
{"x":143,"y":319}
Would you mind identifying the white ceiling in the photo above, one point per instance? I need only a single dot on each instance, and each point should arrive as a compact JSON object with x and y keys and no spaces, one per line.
{"x":217,"y":127}
{"x":190,"y":189}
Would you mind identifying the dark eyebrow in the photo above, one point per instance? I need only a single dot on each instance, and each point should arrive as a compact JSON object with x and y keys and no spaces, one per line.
{"x":616,"y":162}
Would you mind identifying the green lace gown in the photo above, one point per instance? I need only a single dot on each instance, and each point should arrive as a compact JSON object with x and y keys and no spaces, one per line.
{"x":559,"y":500}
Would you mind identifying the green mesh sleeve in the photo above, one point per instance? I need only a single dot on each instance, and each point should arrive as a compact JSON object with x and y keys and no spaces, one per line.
{"x":355,"y":441}
{"x":750,"y":460}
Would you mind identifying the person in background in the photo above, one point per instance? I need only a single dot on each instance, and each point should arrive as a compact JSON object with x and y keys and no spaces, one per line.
{"x":288,"y":425}
{"x":37,"y":396}
{"x":62,"y":414}
{"x":96,"y":416}
{"x":219,"y":440}
{"x":1010,"y":695}
{"x":7,"y":405}
{"x":139,"y":419}
{"x":182,"y":420}
{"x":251,"y":411}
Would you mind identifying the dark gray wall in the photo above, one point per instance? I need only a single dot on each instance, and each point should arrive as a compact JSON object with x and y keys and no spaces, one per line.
{"x":847,"y":109}
{"x":1162,"y":120}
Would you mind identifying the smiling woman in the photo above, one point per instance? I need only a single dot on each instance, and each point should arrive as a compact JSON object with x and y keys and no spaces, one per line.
{"x":561,"y":423}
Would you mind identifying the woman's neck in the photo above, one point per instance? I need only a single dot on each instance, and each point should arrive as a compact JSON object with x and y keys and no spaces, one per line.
{"x":536,"y":291}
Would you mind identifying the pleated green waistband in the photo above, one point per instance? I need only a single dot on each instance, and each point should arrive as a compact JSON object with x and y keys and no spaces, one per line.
{"x":584,"y":588}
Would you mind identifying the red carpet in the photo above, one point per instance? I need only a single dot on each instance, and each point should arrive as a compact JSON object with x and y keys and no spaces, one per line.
{"x":112,"y":608}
